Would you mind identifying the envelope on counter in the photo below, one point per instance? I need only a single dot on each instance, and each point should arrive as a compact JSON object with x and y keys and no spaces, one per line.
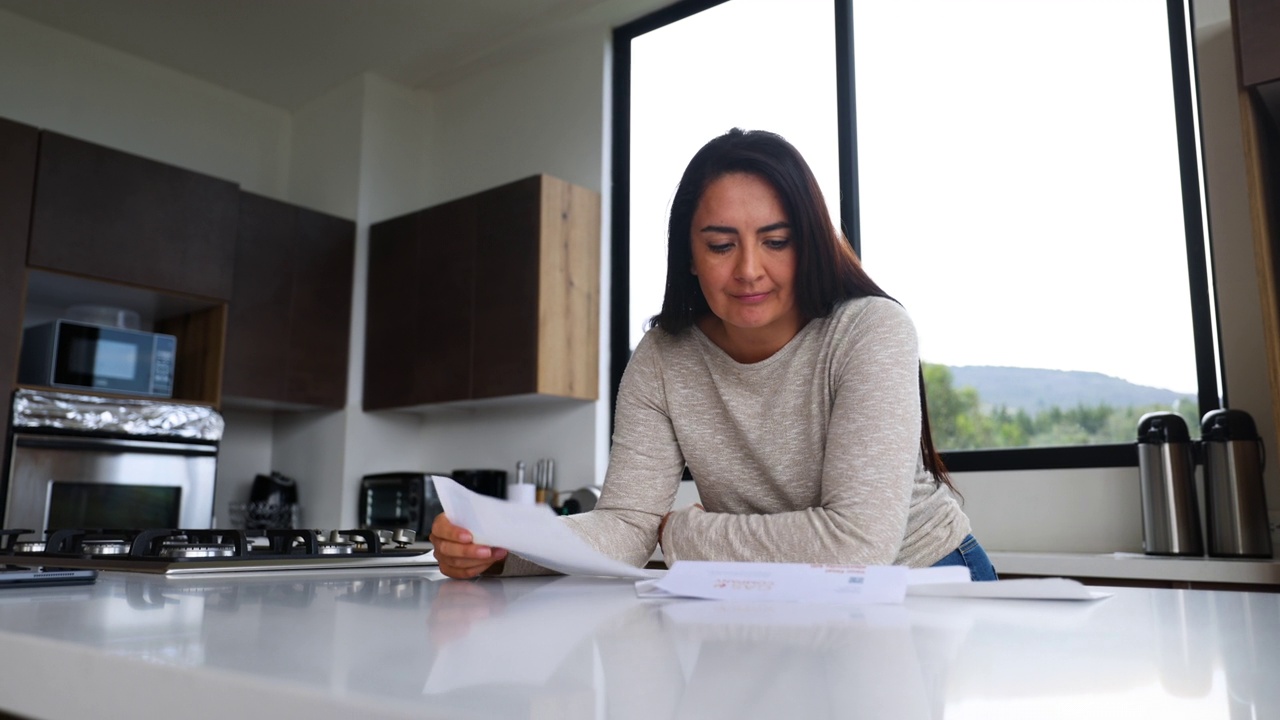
{"x":793,"y":582}
{"x":846,"y":584}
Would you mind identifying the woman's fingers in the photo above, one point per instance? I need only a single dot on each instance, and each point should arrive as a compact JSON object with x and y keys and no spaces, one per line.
{"x":458,"y":555}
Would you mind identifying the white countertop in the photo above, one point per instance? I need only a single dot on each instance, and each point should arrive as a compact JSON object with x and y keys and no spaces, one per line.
{"x":1136,"y":566}
{"x":395,"y":644}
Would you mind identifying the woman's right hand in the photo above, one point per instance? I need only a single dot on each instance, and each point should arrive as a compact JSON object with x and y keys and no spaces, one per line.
{"x":458,"y":555}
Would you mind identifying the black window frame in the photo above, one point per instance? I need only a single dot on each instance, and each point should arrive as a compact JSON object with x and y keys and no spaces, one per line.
{"x":1180,"y":27}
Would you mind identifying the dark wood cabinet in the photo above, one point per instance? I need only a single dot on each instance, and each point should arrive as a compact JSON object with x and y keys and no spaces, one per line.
{"x":17,"y":180}
{"x":105,"y":214}
{"x":1257,"y":24}
{"x":289,"y":316}
{"x":493,"y":295}
{"x":1256,"y":28}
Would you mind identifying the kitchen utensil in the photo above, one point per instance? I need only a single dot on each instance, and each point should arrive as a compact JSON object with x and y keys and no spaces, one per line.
{"x":1170,"y":513}
{"x":1236,"y":519}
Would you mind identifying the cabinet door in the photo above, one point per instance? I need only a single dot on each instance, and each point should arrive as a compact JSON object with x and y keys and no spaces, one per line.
{"x":1257,"y":24}
{"x":258,"y":313}
{"x":418,"y":314}
{"x":110,"y":215}
{"x":289,"y":318}
{"x":508,"y":269}
{"x":17,"y":178}
{"x":320,"y":309}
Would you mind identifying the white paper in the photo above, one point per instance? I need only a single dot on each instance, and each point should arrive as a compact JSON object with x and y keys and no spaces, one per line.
{"x":791,"y":582}
{"x":531,"y":531}
{"x":1020,"y":589}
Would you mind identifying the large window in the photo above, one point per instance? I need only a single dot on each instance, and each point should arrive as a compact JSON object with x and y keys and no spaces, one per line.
{"x":1022,"y":176}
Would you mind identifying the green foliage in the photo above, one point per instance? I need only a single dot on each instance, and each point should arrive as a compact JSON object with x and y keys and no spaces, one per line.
{"x":959,"y":421}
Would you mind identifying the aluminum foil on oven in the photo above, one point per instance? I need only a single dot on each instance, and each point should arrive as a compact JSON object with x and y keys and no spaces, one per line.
{"x":90,"y":413}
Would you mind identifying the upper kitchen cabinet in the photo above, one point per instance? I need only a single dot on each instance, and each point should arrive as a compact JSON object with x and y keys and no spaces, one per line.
{"x":290,"y":311}
{"x":494,"y":295}
{"x":105,"y":214}
{"x":17,"y":178}
{"x":1257,"y":24}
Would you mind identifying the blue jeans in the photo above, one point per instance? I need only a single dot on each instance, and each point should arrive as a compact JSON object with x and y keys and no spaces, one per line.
{"x":971,"y":555}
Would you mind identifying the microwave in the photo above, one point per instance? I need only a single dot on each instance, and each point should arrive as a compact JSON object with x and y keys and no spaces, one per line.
{"x":70,"y":354}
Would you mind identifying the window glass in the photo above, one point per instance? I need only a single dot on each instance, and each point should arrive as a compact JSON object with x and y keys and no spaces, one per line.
{"x":1018,"y":190}
{"x":1019,"y":193}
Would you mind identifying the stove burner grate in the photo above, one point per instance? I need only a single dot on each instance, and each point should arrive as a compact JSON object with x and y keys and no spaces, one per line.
{"x":187,"y":545}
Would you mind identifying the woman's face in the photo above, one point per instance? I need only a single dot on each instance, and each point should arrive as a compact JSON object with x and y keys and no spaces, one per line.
{"x":745,"y":259}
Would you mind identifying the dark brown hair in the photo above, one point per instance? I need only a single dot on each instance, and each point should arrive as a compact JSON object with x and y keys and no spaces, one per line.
{"x":827,"y":270}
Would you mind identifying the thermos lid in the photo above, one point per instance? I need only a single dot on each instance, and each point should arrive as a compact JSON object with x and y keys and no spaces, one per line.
{"x":1224,"y":424}
{"x":1163,"y":427}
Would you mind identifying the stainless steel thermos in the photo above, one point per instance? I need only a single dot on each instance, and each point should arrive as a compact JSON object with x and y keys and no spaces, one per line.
{"x":1236,"y":519}
{"x":1170,"y":513}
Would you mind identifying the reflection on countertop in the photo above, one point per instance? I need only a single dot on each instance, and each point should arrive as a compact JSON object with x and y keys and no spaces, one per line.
{"x":393,"y":643}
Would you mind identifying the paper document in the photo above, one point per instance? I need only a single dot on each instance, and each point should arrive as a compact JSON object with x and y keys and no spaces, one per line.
{"x":793,"y":582}
{"x":531,"y":531}
{"x":1020,"y":589}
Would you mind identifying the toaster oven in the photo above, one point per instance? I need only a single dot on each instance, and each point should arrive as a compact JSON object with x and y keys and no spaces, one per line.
{"x":398,"y":500}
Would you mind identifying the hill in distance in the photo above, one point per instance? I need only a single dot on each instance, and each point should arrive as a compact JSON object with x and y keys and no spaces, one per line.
{"x":1034,"y":390}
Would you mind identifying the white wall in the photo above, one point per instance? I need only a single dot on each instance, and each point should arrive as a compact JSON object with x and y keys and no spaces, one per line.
{"x":61,"y":82}
{"x":540,"y":114}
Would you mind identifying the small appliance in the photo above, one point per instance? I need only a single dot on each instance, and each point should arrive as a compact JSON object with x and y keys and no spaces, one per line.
{"x":84,"y":356}
{"x":93,"y":461}
{"x":1236,"y":519}
{"x":1170,"y":513}
{"x":399,"y":500}
{"x":486,"y":482}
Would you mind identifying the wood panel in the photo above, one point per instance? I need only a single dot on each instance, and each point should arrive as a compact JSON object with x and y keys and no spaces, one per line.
{"x":568,"y":299}
{"x":1262,"y":170}
{"x":198,"y":366}
{"x":106,"y":214}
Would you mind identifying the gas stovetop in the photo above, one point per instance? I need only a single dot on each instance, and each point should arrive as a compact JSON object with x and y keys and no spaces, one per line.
{"x":189,"y":552}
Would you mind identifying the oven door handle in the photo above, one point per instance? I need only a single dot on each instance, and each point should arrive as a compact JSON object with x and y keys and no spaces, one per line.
{"x":112,"y":445}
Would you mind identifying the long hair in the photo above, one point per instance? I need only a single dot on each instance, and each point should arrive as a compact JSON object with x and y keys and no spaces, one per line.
{"x":827,"y":270}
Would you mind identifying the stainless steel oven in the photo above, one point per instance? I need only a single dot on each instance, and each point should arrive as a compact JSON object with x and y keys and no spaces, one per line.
{"x":89,"y":462}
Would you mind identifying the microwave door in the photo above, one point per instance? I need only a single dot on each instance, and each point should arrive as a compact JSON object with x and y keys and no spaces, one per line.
{"x":74,"y":481}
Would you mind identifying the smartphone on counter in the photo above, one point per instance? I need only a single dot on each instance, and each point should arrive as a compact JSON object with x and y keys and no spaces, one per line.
{"x":14,"y":577}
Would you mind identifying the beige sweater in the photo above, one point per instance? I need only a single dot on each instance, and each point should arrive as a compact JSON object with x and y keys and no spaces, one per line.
{"x":811,"y":455}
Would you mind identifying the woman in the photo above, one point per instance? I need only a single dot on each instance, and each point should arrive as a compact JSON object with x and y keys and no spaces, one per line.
{"x":785,"y":380}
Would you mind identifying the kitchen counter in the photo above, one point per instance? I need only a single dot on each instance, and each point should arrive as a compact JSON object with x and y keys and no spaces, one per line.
{"x":396,"y":644}
{"x":1136,"y":566}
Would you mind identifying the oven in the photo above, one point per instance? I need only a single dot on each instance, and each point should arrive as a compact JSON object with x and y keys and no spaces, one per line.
{"x":90,"y":462}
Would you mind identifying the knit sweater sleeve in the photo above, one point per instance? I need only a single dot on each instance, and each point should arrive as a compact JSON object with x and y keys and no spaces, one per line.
{"x":869,"y":462}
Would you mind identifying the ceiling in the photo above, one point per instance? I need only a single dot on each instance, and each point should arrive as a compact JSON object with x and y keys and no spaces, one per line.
{"x":287,"y":52}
